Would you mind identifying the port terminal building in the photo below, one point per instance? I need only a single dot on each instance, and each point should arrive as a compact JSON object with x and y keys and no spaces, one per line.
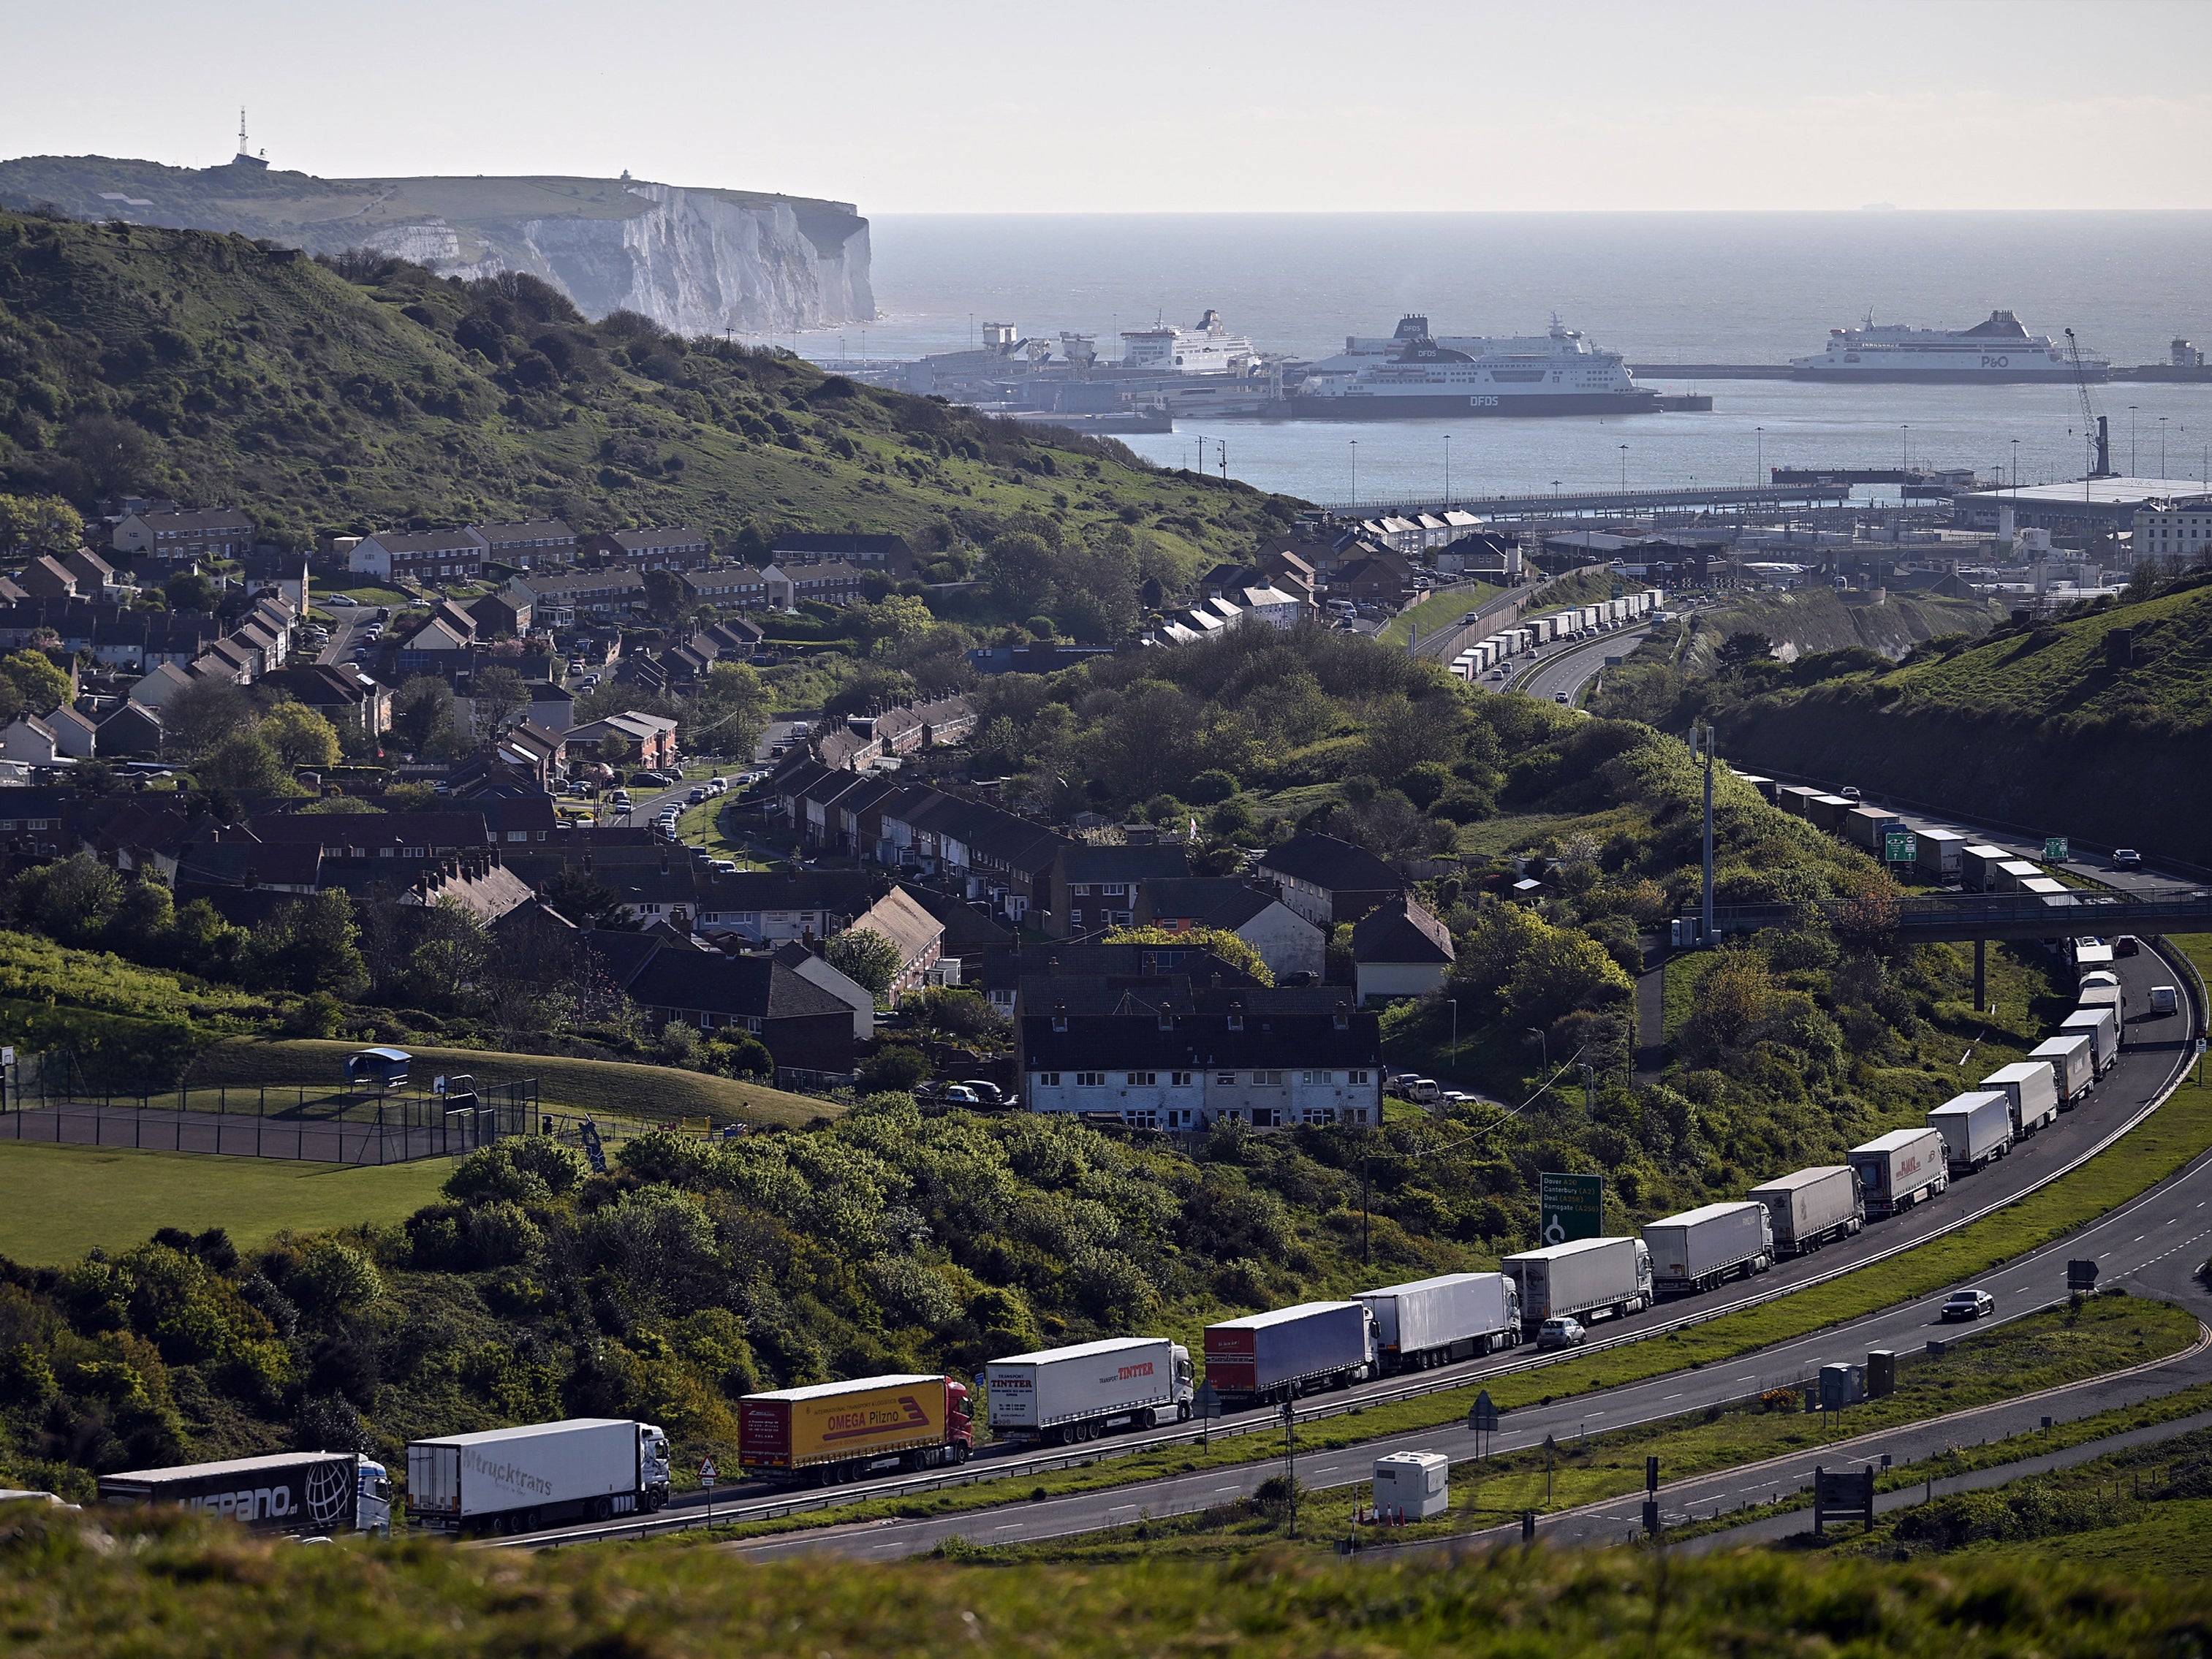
{"x":2095,"y":506}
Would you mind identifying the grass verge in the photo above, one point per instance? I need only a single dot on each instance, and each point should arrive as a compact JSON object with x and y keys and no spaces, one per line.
{"x":1432,"y":614}
{"x":58,"y":1202}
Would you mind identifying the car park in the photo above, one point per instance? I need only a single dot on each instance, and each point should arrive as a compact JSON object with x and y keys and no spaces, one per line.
{"x":1561,"y":1333}
{"x":1968,"y":1305}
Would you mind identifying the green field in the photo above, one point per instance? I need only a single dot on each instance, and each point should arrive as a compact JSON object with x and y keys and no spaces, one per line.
{"x":58,"y":1202}
{"x":1432,"y":614}
{"x":652,"y":1094}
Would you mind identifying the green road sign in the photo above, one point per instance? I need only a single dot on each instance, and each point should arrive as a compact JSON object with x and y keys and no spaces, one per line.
{"x":1208,"y":1402}
{"x":1482,"y":1416}
{"x":1571,"y":1206}
{"x":1900,"y":846}
{"x":2054,"y":849}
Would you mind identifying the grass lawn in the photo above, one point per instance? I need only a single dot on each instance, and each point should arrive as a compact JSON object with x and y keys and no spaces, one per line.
{"x":1432,"y":613}
{"x":58,"y":1202}
{"x":369,"y":594}
{"x":647,"y":1093}
{"x":2175,"y":1542}
{"x":701,"y":826}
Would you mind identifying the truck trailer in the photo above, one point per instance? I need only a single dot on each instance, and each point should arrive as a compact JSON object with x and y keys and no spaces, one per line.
{"x":1870,"y":827}
{"x":2099,"y":994}
{"x":838,"y":1431}
{"x":2102,"y":1026}
{"x":2073,"y":1063}
{"x":1697,"y":1249}
{"x":302,"y":1493}
{"x":1081,"y":1392}
{"x":1978,"y":865}
{"x":1898,"y":1170}
{"x":1585,"y":1276}
{"x":1976,"y":1128}
{"x":1938,"y":853}
{"x":1434,"y":1321}
{"x":582,"y":1468}
{"x":1812,"y":1207}
{"x":1290,"y":1352}
{"x":2033,"y":1091}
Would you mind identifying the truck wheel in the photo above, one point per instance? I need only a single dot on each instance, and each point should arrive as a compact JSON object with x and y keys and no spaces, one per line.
{"x":1148,"y":1418}
{"x":601,"y":1508}
{"x":1183,"y":1412}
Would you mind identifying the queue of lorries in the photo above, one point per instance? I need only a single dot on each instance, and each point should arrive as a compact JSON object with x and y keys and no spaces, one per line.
{"x":544,"y":1474}
{"x":1575,"y":623}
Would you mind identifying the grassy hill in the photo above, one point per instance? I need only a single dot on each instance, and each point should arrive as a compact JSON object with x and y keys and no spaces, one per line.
{"x":225,"y":371}
{"x":194,"y":1587}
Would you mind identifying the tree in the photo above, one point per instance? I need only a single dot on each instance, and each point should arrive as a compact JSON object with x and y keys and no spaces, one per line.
{"x":189,"y":591}
{"x":894,"y":1068}
{"x":726,"y":713}
{"x":39,"y":524}
{"x":1018,"y":572}
{"x":242,"y":763}
{"x":71,"y":901}
{"x":1228,"y":946}
{"x":109,"y":454}
{"x":310,"y":944}
{"x":202,"y":713}
{"x":44,"y":687}
{"x":665,"y":596}
{"x":867,"y":957}
{"x":300,"y":735}
{"x":1745,"y":646}
{"x":585,"y":900}
{"x":1564,"y":970}
{"x":422,"y":713}
{"x":499,"y":693}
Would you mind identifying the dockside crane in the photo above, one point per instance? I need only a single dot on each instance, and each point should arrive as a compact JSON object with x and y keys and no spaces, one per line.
{"x":2093,"y":424}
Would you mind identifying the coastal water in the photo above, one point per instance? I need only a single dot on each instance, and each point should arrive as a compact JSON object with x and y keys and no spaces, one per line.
{"x":1659,"y":287}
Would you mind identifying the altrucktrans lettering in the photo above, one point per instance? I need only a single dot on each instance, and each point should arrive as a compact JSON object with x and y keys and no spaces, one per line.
{"x":506,"y":1474}
{"x":904,"y":1413}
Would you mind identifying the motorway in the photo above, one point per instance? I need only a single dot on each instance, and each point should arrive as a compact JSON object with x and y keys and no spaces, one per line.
{"x":2164,"y":1233}
{"x":1568,"y":670}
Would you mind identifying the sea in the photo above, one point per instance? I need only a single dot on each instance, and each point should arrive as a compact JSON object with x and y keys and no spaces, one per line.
{"x":1677,"y":288}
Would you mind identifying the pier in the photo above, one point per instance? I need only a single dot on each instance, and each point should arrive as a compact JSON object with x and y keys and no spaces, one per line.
{"x":1813,"y":492}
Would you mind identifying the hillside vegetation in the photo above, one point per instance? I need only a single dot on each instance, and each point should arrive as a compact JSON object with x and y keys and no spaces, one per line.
{"x":190,"y":1588}
{"x":366,"y":392}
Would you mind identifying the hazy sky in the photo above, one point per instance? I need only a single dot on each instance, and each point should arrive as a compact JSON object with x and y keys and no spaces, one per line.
{"x":1279,"y":107}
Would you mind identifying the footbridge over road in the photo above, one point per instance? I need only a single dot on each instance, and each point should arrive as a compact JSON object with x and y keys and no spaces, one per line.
{"x":1963,"y":916}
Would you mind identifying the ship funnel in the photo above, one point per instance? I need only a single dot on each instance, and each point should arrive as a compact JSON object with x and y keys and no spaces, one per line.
{"x":2104,"y":450}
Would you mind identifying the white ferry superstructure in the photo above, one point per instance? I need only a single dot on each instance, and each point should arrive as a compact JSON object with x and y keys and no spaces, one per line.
{"x":1998,"y":350}
{"x":1416,"y":375}
{"x":1209,"y":348}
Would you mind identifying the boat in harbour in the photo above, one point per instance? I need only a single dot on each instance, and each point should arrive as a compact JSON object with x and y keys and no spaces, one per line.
{"x":1417,"y":375}
{"x":1995,"y":352}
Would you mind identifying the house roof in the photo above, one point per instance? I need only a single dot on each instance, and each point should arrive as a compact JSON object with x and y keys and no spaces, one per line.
{"x":427,"y":541}
{"x":904,"y":923}
{"x":1005,"y":966}
{"x":1226,"y":901}
{"x":431,"y":830}
{"x":1078,"y":1042}
{"x":1400,"y":930}
{"x":963,"y":923}
{"x":239,"y":864}
{"x":216,"y":518}
{"x":530,"y":530}
{"x":1333,"y":866}
{"x":847,"y":892}
{"x":1083,"y":864}
{"x":646,"y":541}
{"x":739,"y":987}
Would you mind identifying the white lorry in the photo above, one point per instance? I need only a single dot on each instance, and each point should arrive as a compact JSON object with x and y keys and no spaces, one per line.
{"x":1812,"y":1207}
{"x":2107,"y":996}
{"x":1976,"y":1128}
{"x":518,"y":1479}
{"x":1697,"y":1249}
{"x":2103,"y":1026}
{"x":1898,"y":1170}
{"x":2073,"y":1062}
{"x":2033,"y":1091}
{"x":1059,"y":1394}
{"x":1586,"y":1275}
{"x":1433,"y":1322}
{"x":302,"y":1493}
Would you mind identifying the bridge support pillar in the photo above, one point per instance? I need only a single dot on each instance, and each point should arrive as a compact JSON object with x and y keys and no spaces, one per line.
{"x":1981,"y":974}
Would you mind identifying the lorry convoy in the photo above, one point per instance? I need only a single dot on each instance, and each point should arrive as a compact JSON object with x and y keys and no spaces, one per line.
{"x":2031,"y":1088}
{"x":1898,"y":1170}
{"x":1976,"y":1128}
{"x":832,"y":1432}
{"x":540,"y":1474}
{"x":300,"y":1493}
{"x":1064,"y":1394}
{"x":1812,"y":1207}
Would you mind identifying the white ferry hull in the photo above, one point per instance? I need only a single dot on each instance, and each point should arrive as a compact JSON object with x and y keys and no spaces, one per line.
{"x":1999,"y":372}
{"x":1458,"y":406}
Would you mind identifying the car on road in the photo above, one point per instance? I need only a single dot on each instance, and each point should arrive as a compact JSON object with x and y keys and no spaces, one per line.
{"x":958,"y":1094}
{"x":694,"y":797}
{"x":723,"y":866}
{"x":1968,"y":1305}
{"x":987,"y":1093}
{"x":1468,"y":620}
{"x":1560,"y":1332}
{"x":618,"y":797}
{"x":1559,"y":696}
{"x":2126,"y":858}
{"x":344,"y":602}
{"x":1849,"y":792}
{"x":2127,"y":945}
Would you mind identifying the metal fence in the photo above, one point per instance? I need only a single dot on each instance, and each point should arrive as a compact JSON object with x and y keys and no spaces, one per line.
{"x":44,"y":1097}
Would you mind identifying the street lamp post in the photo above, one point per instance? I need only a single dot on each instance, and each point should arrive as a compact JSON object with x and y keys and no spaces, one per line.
{"x":1907,"y":430}
{"x":1623,"y":469}
{"x":1759,"y":470}
{"x":2133,"y":471}
{"x":1537,"y":1033}
{"x":1448,"y":469}
{"x":1454,"y":1001}
{"x":1355,"y":475}
{"x":2161,"y":445}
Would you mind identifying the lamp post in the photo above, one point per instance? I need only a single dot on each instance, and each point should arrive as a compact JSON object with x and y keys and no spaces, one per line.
{"x":1454,"y":1001}
{"x":1758,"y":467}
{"x":1623,"y":469}
{"x":2133,"y":471}
{"x":1447,"y":469}
{"x":1355,"y":475}
{"x":1543,"y":1038}
{"x":2015,"y":468}
{"x":1907,"y":430}
{"x":2161,"y":445}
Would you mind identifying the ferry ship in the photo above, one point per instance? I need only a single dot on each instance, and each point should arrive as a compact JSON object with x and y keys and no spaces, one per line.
{"x":1209,"y":348}
{"x":1416,"y":375}
{"x":1993,"y":352}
